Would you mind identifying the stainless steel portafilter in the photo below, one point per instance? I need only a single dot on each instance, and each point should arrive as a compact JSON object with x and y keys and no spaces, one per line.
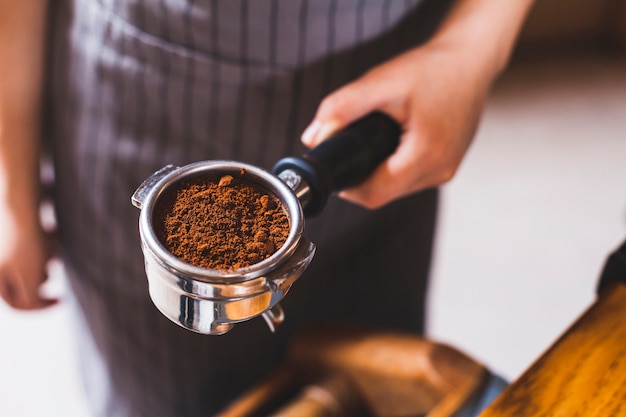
{"x":211,"y":301}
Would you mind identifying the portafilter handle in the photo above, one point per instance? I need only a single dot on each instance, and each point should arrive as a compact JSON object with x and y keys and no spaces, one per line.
{"x":342,"y":161}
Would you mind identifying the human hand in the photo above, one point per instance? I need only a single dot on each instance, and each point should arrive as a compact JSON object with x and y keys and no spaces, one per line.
{"x":436,"y":93}
{"x":24,"y":253}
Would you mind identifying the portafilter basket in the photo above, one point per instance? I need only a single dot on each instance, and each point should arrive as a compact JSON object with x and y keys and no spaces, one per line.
{"x":211,"y":301}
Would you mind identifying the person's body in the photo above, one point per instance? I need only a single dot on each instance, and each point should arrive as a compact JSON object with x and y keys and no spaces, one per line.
{"x":135,"y":85}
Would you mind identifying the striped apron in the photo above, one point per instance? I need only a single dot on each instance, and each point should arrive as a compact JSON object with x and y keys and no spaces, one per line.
{"x":138,"y":84}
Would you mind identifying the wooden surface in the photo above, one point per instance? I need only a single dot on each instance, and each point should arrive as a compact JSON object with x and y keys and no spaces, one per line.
{"x":337,"y":371}
{"x":582,"y":374}
{"x":395,"y":374}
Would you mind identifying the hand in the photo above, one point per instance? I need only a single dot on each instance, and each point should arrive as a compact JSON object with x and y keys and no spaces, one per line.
{"x":24,"y":253}
{"x":436,"y":92}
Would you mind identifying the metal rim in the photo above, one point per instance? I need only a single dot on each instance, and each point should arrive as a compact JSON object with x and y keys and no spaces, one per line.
{"x":260,"y":176}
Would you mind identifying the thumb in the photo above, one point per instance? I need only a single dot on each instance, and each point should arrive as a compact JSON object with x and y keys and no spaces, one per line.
{"x":342,"y":107}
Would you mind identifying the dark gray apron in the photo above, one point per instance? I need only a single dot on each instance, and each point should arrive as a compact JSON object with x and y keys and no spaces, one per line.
{"x":136,"y":85}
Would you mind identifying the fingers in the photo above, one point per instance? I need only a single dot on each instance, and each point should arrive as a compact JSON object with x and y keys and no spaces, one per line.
{"x":394,"y":177}
{"x":346,"y":105}
{"x":29,"y":292}
{"x":416,"y":165}
{"x":376,"y":90}
{"x":25,"y":251}
{"x":23,"y":294}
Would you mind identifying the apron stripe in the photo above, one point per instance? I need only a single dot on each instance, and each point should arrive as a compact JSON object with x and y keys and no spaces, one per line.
{"x":214,"y":115}
{"x":268,"y":108}
{"x":241,"y":93}
{"x":288,"y":144}
{"x":187,"y":108}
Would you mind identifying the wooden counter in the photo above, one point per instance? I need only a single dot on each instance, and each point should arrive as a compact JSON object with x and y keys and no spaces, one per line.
{"x":582,"y":374}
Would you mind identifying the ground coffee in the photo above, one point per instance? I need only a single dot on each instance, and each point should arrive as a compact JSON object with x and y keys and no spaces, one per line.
{"x":220,"y":222}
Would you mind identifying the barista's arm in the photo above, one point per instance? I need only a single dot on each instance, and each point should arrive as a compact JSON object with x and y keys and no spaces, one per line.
{"x":23,"y":254}
{"x":435,"y":91}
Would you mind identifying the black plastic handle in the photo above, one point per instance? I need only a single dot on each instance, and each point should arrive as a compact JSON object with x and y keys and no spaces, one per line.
{"x":345,"y":159}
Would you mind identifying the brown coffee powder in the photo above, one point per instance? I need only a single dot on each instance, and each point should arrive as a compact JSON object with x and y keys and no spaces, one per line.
{"x":220,"y":223}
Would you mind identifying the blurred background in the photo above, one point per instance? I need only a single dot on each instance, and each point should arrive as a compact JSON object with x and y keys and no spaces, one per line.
{"x":525,"y":226}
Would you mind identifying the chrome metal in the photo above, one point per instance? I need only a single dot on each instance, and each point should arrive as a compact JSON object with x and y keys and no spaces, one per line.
{"x":274,"y":317}
{"x":212,"y":301}
{"x":298,"y":185}
{"x":144,"y":189}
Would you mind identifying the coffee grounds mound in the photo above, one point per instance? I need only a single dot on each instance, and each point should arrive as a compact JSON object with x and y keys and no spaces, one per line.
{"x":221,"y":223}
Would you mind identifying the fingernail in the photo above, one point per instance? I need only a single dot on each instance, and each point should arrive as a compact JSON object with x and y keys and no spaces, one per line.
{"x":326,"y":130}
{"x":309,"y":134}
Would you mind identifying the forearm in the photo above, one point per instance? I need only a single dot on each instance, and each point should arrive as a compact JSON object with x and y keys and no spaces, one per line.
{"x":487,"y":28}
{"x":22,"y":27}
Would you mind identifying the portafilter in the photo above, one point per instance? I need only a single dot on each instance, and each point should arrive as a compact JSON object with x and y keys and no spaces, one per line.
{"x":211,"y":301}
